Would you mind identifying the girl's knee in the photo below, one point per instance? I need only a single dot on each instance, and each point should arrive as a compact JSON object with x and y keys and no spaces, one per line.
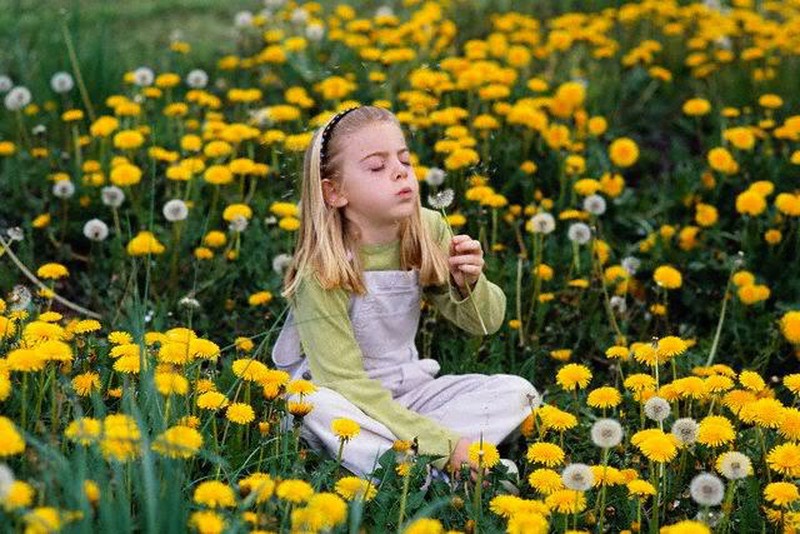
{"x":519,"y":389}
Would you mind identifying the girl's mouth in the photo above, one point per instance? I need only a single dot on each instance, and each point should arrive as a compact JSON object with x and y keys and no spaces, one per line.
{"x":407,"y":191}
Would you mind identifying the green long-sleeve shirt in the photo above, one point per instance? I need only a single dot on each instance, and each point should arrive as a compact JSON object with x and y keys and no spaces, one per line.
{"x":335,"y":358}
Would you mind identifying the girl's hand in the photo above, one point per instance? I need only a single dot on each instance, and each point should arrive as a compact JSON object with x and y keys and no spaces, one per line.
{"x":466,"y":261}
{"x":459,"y":456}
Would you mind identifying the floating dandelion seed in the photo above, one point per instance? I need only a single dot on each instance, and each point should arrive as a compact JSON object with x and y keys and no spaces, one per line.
{"x":435,"y":177}
{"x":707,"y":489}
{"x":441,"y":200}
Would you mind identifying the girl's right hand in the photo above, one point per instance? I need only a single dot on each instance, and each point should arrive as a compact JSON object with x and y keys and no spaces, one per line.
{"x":459,"y":456}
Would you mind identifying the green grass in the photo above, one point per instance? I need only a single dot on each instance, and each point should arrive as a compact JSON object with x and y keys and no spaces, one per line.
{"x":111,"y":37}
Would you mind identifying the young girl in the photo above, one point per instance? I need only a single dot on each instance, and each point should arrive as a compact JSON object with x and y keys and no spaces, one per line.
{"x":366,"y":254}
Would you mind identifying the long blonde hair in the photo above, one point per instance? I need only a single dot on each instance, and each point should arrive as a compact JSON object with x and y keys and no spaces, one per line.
{"x":324,"y":239}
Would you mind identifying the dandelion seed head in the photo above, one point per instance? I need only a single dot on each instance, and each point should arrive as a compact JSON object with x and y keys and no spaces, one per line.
{"x":441,"y":200}
{"x":657,"y":409}
{"x":685,"y":429}
{"x":62,"y":82}
{"x":707,"y":489}
{"x":631,"y":264}
{"x":734,"y":465}
{"x":315,"y":31}
{"x":143,"y":76}
{"x":243,"y":19}
{"x":594,"y":204}
{"x":175,"y":210}
{"x":577,"y":477}
{"x":15,"y":233}
{"x":606,"y":433}
{"x":280,"y":263}
{"x":112,"y":196}
{"x":17,"y":98}
{"x":579,"y":233}
{"x":95,"y":229}
{"x":5,"y":83}
{"x":543,"y":223}
{"x":197,"y":79}
{"x":6,"y":480}
{"x":299,"y":16}
{"x":238,"y":224}
{"x":63,"y":189}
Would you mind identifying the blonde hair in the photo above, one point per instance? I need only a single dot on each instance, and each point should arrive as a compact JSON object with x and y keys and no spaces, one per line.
{"x":324,"y":239}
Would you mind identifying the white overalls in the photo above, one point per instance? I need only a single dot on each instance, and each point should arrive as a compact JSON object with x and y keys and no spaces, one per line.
{"x":385,"y":322}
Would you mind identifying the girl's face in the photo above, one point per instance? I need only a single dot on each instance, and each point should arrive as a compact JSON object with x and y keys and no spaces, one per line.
{"x":378,"y":188}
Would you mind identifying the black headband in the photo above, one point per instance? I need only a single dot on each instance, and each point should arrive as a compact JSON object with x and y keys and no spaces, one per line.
{"x":326,"y":133}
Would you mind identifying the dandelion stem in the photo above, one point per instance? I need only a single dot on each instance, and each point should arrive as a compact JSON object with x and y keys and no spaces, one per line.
{"x":715,"y":343}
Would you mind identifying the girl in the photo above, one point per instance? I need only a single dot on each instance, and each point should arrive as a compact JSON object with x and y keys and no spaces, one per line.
{"x":366,"y":254}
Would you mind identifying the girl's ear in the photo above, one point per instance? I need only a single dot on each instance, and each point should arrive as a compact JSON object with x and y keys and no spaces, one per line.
{"x":332,"y":194}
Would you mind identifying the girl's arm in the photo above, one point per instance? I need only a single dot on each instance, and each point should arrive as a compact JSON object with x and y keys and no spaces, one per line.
{"x":490,"y":299}
{"x":336,"y":362}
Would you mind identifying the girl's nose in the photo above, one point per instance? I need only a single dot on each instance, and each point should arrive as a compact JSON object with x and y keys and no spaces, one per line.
{"x":401,"y":171}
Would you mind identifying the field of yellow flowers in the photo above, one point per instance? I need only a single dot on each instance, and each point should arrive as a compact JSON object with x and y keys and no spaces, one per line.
{"x":633,"y":171}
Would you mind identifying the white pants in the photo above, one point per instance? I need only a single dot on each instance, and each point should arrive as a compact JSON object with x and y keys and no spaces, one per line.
{"x":473,"y":405}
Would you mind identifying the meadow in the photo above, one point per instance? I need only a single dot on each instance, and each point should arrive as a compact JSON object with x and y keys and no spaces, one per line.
{"x":631,"y":170}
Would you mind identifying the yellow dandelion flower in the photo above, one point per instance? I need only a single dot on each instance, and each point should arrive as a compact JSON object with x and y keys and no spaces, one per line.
{"x":351,"y":488}
{"x":240,"y":413}
{"x":294,"y":491}
{"x":715,"y":431}
{"x":483,"y":454}
{"x":11,"y":441}
{"x":178,"y":442}
{"x":781,"y":494}
{"x":544,"y":453}
{"x":345,"y":429}
{"x":214,"y":494}
{"x":573,"y":376}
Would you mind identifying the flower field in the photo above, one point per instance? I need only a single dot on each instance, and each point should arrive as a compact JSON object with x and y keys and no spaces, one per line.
{"x":632,"y":171}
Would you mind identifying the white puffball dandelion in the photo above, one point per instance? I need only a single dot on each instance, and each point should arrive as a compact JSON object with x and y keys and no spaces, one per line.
{"x":384,"y":11}
{"x":542,"y":223}
{"x":243,"y":19}
{"x":578,"y":477}
{"x":631,"y":264}
{"x":315,"y":32}
{"x":62,"y":82}
{"x":441,"y":199}
{"x":594,"y":204}
{"x":734,"y":465}
{"x":143,"y":76}
{"x":579,"y":233}
{"x":435,"y":176}
{"x":606,"y":433}
{"x":618,"y":304}
{"x":63,"y":189}
{"x":238,"y":224}
{"x":197,"y":79}
{"x":175,"y":210}
{"x":189,"y":303}
{"x":657,"y":409}
{"x":280,"y":263}
{"x":299,"y":16}
{"x":112,"y":196}
{"x":95,"y":229}
{"x":6,"y":480}
{"x":17,"y":98}
{"x":707,"y":489}
{"x":5,"y":83}
{"x":685,"y":429}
